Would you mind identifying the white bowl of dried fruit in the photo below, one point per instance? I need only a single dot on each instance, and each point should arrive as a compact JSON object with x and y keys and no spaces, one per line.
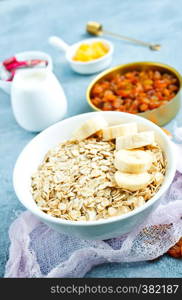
{"x":95,"y":175}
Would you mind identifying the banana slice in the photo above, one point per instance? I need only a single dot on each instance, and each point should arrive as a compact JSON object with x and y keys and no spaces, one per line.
{"x":133,"y":161}
{"x":136,"y":140}
{"x":158,"y":178}
{"x":90,"y":127}
{"x":132,"y":182}
{"x":119,"y":130}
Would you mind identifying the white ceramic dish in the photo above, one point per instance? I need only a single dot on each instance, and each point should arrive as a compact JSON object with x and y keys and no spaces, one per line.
{"x":27,"y":55}
{"x":33,"y":154}
{"x":90,"y":67}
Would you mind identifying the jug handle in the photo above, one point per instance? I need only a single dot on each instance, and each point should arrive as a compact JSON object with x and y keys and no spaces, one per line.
{"x":5,"y":86}
{"x":58,"y":43}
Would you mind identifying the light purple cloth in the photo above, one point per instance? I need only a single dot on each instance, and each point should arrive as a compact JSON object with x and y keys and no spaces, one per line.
{"x":38,"y":251}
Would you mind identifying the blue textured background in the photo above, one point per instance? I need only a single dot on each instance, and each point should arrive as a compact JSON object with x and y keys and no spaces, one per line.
{"x":26,"y":25}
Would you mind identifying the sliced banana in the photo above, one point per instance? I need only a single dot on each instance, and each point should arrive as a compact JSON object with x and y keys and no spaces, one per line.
{"x":113,"y":132}
{"x":90,"y":127}
{"x":158,"y":178}
{"x":132,"y":182}
{"x":133,"y":161}
{"x":136,"y":140}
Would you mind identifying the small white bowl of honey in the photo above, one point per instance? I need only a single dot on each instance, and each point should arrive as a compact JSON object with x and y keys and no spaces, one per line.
{"x":88,"y":56}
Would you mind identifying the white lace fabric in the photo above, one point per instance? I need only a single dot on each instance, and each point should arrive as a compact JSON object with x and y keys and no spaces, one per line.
{"x":38,"y":251}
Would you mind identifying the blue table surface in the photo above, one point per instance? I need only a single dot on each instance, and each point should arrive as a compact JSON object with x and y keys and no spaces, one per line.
{"x":26,"y":25}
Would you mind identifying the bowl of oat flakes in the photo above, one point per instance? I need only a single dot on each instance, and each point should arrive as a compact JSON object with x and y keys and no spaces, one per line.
{"x":95,"y":175}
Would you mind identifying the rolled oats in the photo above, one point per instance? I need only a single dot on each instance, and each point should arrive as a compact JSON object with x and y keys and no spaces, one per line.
{"x":76,"y":181}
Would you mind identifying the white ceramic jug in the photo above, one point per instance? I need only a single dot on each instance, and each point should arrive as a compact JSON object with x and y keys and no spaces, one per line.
{"x":38,"y":100}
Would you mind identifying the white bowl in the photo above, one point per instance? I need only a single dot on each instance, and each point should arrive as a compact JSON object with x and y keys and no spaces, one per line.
{"x":27,"y":55}
{"x":89,"y":67}
{"x":34,"y":152}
